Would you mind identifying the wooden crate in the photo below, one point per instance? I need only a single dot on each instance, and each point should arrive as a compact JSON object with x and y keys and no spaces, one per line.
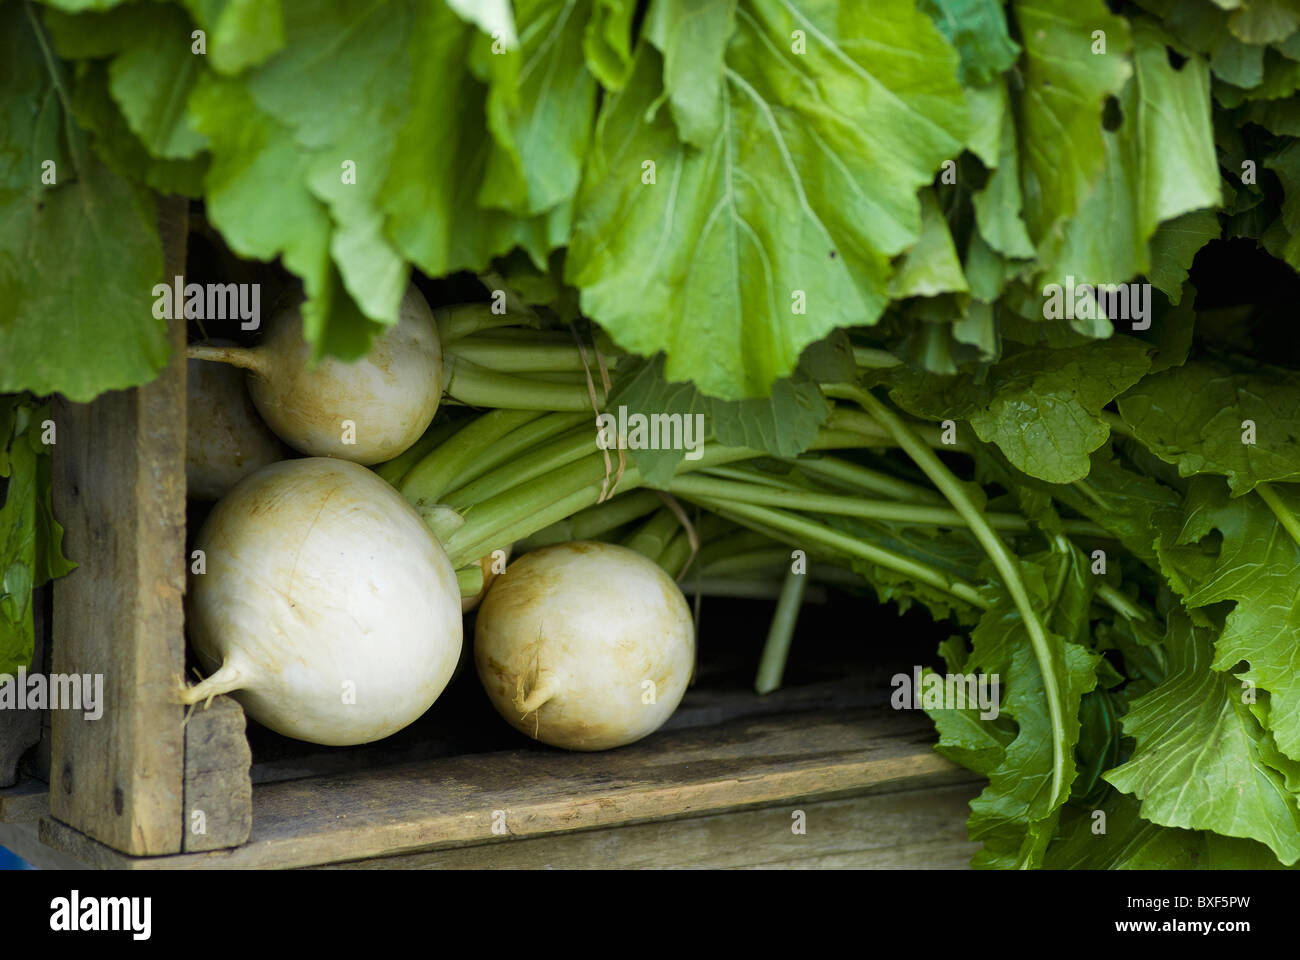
{"x":728,"y":783}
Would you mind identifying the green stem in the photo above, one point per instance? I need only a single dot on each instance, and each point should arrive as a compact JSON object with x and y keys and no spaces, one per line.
{"x":396,"y":469}
{"x":570,"y":446}
{"x":506,"y":356}
{"x":773,"y":558}
{"x":522,"y":438}
{"x":870,"y":359}
{"x":458,"y":322}
{"x":872,"y":429}
{"x":591,"y":523}
{"x":479,"y":387}
{"x":1280,"y":510}
{"x":805,"y":531}
{"x":1003,"y":561}
{"x":857,"y":477}
{"x":887,"y":510}
{"x":652,"y":537}
{"x":1122,"y":604}
{"x":771,"y":666}
{"x":676,"y":555}
{"x":1117,"y":424}
{"x":428,"y":480}
{"x":470,"y":580}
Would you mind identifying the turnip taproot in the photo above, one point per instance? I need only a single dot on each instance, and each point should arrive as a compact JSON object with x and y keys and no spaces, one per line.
{"x":367,"y":411}
{"x":584,"y":645}
{"x":327,"y":608}
{"x":225,"y":439}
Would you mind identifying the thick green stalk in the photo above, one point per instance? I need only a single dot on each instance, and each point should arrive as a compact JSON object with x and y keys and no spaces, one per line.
{"x":396,"y":469}
{"x":676,"y":555}
{"x":1280,"y":510}
{"x":858,"y":477}
{"x":572,"y":445}
{"x":652,"y":537}
{"x":456,"y":323}
{"x":481,"y":387}
{"x":505,"y":356}
{"x":887,"y":510}
{"x":771,"y":666}
{"x":1006,"y":565}
{"x":428,"y":480}
{"x":526,"y":508}
{"x":591,"y":523}
{"x":524,"y":438}
{"x":802,"y":531}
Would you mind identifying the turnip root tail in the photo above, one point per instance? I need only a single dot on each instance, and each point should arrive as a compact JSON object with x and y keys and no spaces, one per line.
{"x":246,"y":357}
{"x":228,"y":678}
{"x":529,"y":703}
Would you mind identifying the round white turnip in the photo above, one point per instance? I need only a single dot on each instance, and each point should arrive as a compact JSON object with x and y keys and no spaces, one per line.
{"x":367,"y":411}
{"x":584,"y":645}
{"x":327,"y":608}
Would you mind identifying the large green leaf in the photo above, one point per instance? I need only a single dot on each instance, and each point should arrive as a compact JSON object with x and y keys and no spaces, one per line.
{"x":1256,"y":567}
{"x":783,"y":423}
{"x":1059,"y":118}
{"x":1203,"y":761}
{"x":781,"y":225}
{"x":79,"y":257}
{"x":1042,"y":407}
{"x":440,"y":155}
{"x":1016,"y":815}
{"x":542,"y":117}
{"x":1196,"y":416}
{"x":1159,"y":164}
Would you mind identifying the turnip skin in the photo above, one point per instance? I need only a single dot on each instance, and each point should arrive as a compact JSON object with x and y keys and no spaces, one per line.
{"x":321,"y":579}
{"x":567,"y":636}
{"x":225,"y":438}
{"x":391,"y":394}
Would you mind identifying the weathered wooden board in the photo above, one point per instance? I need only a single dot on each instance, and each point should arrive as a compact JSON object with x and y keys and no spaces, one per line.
{"x":119,"y":490}
{"x":21,"y":838}
{"x":914,"y":829}
{"x":218,"y":792}
{"x":464,"y":800}
{"x":25,"y":802}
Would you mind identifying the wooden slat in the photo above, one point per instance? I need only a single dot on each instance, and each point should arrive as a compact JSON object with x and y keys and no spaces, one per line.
{"x":25,"y":802}
{"x":119,"y":490}
{"x":453,"y":802}
{"x":912,"y":830}
{"x":22,"y":839}
{"x":218,"y":792}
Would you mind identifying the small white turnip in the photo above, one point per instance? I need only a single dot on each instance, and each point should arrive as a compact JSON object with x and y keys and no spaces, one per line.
{"x":367,"y":411}
{"x":584,"y":645}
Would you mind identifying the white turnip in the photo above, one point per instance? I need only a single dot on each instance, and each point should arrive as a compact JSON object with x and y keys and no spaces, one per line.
{"x":584,"y":645}
{"x":327,"y":608}
{"x":367,"y":411}
{"x":225,"y":439}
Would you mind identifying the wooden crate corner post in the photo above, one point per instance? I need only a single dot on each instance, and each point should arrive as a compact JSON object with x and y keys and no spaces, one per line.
{"x":119,"y":490}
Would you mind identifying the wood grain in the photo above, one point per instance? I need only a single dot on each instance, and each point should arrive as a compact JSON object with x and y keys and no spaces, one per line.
{"x":534,"y":792}
{"x":119,"y":490}
{"x":911,"y":830}
{"x":218,"y":792}
{"x":25,"y":802}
